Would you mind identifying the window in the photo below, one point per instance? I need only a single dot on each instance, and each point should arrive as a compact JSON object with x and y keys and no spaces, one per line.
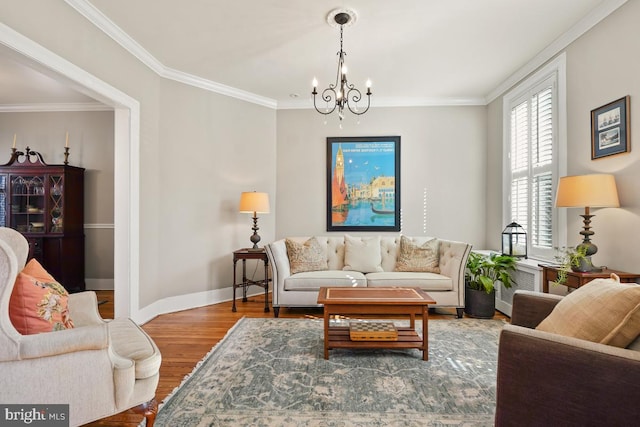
{"x":534,"y":146}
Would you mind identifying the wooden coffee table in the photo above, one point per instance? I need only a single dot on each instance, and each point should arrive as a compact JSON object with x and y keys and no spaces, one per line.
{"x":373,"y":301}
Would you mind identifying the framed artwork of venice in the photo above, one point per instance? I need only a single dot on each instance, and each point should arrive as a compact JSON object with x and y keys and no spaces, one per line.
{"x":610,"y":130}
{"x":363,"y":183}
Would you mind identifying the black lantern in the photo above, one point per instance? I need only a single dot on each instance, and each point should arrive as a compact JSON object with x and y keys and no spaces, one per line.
{"x":514,"y":241}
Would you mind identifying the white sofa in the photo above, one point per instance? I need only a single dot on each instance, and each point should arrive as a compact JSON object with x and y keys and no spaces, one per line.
{"x":301,"y":289}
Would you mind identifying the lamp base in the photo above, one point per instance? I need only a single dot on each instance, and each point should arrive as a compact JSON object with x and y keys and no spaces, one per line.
{"x":255,"y":249}
{"x":255,"y":237}
{"x":586,"y":266}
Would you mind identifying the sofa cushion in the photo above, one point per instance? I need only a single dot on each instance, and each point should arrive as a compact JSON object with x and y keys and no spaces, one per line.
{"x":413,"y":257}
{"x":38,"y":303}
{"x":603,"y":311}
{"x":426,"y":281}
{"x":307,"y":256}
{"x":362,"y":254}
{"x":314,"y":280}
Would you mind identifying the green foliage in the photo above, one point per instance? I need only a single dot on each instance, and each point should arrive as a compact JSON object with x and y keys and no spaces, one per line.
{"x":483,"y":271}
{"x":569,"y":258}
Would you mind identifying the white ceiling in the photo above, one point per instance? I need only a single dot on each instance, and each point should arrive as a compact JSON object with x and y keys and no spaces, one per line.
{"x":22,"y":85}
{"x":414,"y":51}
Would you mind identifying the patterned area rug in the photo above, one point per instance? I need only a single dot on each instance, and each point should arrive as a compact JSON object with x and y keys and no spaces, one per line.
{"x":271,"y":372}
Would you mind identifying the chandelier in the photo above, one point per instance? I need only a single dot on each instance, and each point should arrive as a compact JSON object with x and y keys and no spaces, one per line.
{"x":341,"y":94}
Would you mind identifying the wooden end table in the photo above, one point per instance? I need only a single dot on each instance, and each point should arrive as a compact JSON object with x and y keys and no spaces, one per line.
{"x":244,"y":255}
{"x":383,"y":301}
{"x":576,"y":279}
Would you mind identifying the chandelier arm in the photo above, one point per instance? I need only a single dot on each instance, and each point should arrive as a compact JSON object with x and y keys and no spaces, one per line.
{"x":353,"y":95}
{"x":328,"y":95}
{"x":357,"y":97}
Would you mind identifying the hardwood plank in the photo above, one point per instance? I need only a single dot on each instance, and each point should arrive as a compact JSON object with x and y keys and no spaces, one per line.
{"x":185,"y":337}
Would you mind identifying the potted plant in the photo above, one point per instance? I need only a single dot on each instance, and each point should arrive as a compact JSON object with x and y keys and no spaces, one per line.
{"x":481,"y":274}
{"x":574,"y":259}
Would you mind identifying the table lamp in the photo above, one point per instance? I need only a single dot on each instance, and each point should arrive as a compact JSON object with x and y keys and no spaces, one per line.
{"x":253,"y":202}
{"x":588,"y":191}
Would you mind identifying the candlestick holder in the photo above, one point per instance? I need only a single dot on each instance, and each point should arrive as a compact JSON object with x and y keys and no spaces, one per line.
{"x":14,"y":154}
{"x":66,"y":155}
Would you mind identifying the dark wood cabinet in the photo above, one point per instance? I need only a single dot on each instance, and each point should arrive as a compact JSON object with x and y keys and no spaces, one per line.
{"x":46,"y":204}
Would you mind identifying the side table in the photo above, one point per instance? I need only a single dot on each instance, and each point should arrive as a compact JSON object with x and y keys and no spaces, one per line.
{"x":576,"y":279}
{"x":244,"y":255}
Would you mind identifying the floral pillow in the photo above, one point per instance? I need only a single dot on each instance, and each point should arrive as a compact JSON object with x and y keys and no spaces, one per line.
{"x":38,"y":303}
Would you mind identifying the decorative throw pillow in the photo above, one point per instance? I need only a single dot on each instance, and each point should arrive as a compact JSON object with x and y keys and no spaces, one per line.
{"x":362,"y":255}
{"x":603,"y":311}
{"x":307,"y":256}
{"x":423,"y":258}
{"x":38,"y":303}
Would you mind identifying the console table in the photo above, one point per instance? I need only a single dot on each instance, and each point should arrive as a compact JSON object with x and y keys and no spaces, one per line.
{"x":576,"y":279}
{"x":244,"y":255}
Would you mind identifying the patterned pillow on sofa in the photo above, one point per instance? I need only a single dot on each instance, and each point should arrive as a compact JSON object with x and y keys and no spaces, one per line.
{"x":423,"y":258}
{"x":307,"y":256}
{"x":38,"y":303}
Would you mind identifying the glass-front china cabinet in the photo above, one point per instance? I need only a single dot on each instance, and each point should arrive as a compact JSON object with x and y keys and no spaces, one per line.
{"x":46,"y":204}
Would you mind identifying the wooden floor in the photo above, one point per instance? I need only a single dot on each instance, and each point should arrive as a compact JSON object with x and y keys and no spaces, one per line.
{"x":185,"y":337}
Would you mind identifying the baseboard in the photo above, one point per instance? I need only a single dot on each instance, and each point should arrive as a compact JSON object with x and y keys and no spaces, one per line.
{"x":98,"y":284}
{"x":186,"y":302}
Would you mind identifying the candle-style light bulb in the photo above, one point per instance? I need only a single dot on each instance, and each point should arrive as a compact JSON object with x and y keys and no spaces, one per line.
{"x":314,"y":83}
{"x":14,"y":140}
{"x":344,"y":69}
{"x":368,"y":83}
{"x":66,"y":141}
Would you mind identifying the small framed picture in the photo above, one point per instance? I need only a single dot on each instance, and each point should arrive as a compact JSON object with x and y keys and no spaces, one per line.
{"x":610,"y":130}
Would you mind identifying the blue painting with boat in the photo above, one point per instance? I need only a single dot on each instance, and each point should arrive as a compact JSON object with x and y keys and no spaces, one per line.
{"x":363,"y":183}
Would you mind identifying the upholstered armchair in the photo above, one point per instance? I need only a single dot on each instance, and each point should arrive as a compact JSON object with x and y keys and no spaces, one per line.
{"x":98,"y":367}
{"x":547,"y":379}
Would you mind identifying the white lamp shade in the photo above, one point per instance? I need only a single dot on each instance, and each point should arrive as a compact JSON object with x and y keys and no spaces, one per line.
{"x":596,"y":190}
{"x":251,"y":201}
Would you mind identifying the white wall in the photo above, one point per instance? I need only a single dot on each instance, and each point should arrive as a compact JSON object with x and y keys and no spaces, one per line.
{"x":90,"y":147}
{"x":443,"y":152}
{"x":602,"y":66}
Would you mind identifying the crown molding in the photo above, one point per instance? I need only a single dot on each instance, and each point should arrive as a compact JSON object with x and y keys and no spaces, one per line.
{"x":600,"y":12}
{"x":202,"y":83}
{"x":301,"y":104}
{"x":106,"y":25}
{"x":58,"y":107}
{"x":110,"y":28}
{"x":428,"y":101}
{"x":102,"y":22}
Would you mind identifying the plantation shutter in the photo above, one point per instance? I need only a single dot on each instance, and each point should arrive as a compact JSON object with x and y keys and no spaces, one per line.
{"x":532,"y":165}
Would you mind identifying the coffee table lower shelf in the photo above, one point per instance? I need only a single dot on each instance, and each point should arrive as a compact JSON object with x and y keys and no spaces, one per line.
{"x":407,"y":338}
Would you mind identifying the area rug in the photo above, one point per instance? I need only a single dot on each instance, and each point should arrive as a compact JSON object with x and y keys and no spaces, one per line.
{"x":271,"y":372}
